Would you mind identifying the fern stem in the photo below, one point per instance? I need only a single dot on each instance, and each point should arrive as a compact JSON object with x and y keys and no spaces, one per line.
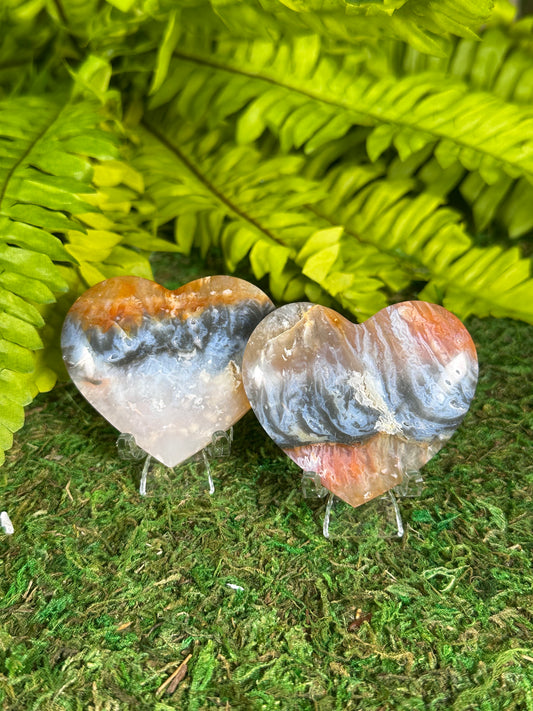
{"x":261,"y":77}
{"x":208,"y":184}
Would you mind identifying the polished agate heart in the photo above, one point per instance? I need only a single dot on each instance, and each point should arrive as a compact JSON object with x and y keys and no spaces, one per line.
{"x":164,"y":366}
{"x":360,"y":405}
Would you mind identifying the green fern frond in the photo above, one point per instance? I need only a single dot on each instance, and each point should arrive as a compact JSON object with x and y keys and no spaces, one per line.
{"x":370,"y":236}
{"x":308,"y":97}
{"x":124,"y":28}
{"x":501,"y":64}
{"x":22,"y":10}
{"x":95,"y":23}
{"x":27,"y":273}
{"x":461,"y":129}
{"x":54,"y":157}
{"x":427,"y":240}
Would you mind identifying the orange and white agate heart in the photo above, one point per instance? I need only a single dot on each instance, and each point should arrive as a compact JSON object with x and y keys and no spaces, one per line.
{"x":164,"y":366}
{"x":360,"y":405}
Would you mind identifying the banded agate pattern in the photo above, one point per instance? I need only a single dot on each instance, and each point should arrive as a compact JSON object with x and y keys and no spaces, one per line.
{"x":164,"y":366}
{"x":361,"y":405}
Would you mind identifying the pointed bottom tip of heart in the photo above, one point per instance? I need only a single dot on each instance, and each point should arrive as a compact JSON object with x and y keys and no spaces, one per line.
{"x":358,"y":473}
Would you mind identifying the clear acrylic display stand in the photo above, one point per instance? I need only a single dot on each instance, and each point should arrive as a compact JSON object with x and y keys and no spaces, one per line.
{"x":383,"y":510}
{"x":158,"y":480}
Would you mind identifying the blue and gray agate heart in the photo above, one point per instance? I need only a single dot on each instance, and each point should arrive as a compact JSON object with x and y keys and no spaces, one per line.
{"x":360,"y":405}
{"x":164,"y":366}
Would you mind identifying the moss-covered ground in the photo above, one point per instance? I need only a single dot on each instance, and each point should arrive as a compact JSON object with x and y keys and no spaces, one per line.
{"x":104,"y":595}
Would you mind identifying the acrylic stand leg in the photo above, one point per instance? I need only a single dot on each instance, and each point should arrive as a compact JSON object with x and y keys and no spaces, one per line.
{"x":208,"y":471}
{"x":327,"y":515}
{"x":158,"y":480}
{"x":220,"y":447}
{"x":397,"y":514}
{"x":312,"y":489}
{"x":382,"y":513}
{"x":144,"y":476}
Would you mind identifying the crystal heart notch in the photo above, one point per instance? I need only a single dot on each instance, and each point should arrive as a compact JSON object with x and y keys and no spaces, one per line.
{"x":360,"y":405}
{"x":164,"y":366}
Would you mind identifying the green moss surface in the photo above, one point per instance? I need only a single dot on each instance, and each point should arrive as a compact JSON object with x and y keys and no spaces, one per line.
{"x":104,"y":594}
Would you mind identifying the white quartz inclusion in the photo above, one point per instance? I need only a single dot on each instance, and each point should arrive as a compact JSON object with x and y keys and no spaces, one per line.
{"x":366,"y":391}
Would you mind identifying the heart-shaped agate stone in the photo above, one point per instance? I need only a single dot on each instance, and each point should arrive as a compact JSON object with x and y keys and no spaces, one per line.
{"x":360,"y":405}
{"x":164,"y":366}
